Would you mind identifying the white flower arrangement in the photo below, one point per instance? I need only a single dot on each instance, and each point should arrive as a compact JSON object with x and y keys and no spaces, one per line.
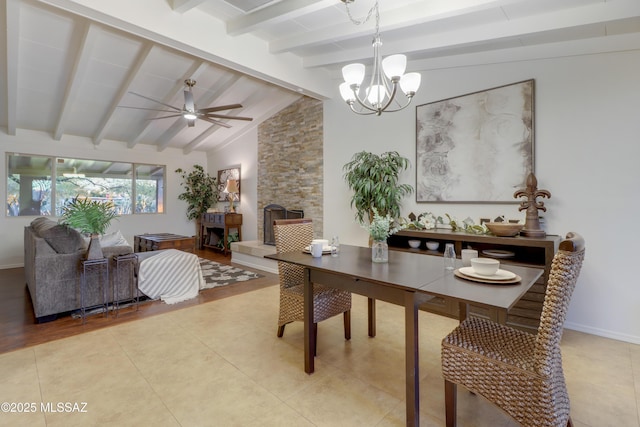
{"x":382,"y":226}
{"x":425,"y":221}
{"x":428,"y":221}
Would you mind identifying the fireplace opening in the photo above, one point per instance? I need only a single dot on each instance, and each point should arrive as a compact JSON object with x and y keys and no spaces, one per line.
{"x":273,"y":212}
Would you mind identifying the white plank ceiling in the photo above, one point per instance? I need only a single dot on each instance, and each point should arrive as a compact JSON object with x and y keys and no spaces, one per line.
{"x":68,"y":66}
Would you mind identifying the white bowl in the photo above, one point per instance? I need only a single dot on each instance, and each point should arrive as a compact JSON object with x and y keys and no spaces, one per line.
{"x":433,"y":246}
{"x":485,"y":266}
{"x":414,"y":243}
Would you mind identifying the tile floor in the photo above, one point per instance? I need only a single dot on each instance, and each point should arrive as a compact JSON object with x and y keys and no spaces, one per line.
{"x":221,"y":364}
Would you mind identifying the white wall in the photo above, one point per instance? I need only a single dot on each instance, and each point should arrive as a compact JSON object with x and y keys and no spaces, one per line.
{"x":174,"y":220}
{"x":587,"y":122}
{"x":242,"y":153}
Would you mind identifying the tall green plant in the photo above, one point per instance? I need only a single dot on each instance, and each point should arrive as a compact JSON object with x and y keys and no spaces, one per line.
{"x":374,"y":182}
{"x":88,"y":216}
{"x":200,"y":191}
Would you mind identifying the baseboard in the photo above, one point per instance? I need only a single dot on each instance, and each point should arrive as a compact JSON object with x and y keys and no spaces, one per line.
{"x":7,"y":266}
{"x":263,"y":264}
{"x":633,"y":339}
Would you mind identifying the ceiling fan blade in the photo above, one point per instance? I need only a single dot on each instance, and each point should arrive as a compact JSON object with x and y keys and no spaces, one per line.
{"x":165,"y":117}
{"x":215,"y":122}
{"x":222,"y":116}
{"x":188,"y":101}
{"x":148,"y":109}
{"x":155,"y":100}
{"x":220,"y":108}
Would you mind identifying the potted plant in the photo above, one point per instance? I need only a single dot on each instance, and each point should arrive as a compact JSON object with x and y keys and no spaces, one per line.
{"x":374,"y":182}
{"x":89,"y":217}
{"x":380,"y":228}
{"x":200,"y":193}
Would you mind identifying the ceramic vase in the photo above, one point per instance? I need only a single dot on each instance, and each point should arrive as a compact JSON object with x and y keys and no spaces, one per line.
{"x":379,"y":251}
{"x":95,"y":249}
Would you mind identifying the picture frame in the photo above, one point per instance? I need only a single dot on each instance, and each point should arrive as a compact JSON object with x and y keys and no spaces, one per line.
{"x":476,"y":148}
{"x":223,"y":176}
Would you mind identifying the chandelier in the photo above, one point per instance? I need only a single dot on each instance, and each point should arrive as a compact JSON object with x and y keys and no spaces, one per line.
{"x":387,"y":75}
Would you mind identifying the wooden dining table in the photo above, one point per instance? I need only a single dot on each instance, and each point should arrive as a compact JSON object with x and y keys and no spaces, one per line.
{"x":407,"y":279}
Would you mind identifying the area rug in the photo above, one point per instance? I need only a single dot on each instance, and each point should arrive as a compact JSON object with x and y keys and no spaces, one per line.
{"x":216,"y":274}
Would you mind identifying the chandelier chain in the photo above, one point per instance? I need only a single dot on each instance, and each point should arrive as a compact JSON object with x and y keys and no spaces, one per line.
{"x":366,"y":19}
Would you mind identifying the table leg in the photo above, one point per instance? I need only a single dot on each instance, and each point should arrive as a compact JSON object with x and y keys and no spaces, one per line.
{"x":372,"y":317}
{"x":462,"y":311}
{"x":412,"y":359}
{"x":309,"y":331}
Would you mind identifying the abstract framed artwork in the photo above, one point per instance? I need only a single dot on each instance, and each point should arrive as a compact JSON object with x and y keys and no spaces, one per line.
{"x":475,"y":148}
{"x":223,"y":176}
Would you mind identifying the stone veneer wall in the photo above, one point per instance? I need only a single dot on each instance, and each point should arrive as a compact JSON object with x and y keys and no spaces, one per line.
{"x":290,"y":162}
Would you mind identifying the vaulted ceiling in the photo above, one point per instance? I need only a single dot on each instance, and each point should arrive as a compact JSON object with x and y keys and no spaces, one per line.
{"x":69,"y":66}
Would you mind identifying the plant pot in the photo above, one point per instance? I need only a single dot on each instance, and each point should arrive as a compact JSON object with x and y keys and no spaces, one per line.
{"x":379,"y":251}
{"x":95,"y":249}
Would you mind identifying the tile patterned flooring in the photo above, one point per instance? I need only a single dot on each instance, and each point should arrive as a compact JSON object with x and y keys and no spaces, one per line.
{"x":221,"y":364}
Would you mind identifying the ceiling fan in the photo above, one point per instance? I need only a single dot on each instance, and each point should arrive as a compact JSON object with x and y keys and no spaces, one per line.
{"x":190,"y":112}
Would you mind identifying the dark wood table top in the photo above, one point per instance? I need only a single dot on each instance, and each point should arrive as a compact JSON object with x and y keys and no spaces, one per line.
{"x":417,"y":273}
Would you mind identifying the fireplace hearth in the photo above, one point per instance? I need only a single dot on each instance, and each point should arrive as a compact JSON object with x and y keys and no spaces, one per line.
{"x":273,"y":212}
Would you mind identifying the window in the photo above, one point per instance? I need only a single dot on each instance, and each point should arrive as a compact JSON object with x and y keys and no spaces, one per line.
{"x":149,"y":189}
{"x":30,"y":190}
{"x":29,"y":185}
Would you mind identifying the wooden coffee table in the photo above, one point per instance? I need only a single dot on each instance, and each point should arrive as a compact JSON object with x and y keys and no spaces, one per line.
{"x":158,"y":241}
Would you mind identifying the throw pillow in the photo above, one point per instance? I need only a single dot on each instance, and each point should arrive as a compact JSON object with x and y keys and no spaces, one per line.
{"x":63,"y":240}
{"x":113,"y":239}
{"x":42,"y":224}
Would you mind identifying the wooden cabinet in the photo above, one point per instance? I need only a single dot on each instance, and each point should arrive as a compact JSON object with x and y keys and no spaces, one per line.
{"x":160,"y":241}
{"x":215,"y":227}
{"x":526,"y":251}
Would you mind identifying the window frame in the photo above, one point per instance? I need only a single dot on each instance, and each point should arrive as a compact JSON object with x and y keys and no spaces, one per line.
{"x":53,"y":165}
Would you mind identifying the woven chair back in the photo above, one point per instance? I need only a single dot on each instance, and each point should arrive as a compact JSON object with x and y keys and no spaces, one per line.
{"x":292,"y":235}
{"x":563,"y":276}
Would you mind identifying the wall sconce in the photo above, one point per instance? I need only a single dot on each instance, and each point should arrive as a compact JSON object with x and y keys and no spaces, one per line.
{"x":231,"y":189}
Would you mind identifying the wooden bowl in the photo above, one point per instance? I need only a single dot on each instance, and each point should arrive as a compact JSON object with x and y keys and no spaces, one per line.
{"x":504,"y":229}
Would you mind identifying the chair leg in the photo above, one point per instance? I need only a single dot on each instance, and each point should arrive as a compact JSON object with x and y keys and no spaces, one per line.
{"x":347,"y":324}
{"x":315,"y":346}
{"x":281,"y":330}
{"x":450,"y":403}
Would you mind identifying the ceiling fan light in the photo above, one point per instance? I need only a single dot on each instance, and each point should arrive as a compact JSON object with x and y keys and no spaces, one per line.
{"x":190,"y":116}
{"x":410,"y":82}
{"x":394,"y":66}
{"x":353,"y":74}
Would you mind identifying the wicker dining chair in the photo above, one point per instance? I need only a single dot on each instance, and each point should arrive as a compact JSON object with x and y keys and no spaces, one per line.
{"x":521,"y":373}
{"x":293,"y":235}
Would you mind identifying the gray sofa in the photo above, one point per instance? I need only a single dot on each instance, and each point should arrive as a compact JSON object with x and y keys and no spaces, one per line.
{"x":52,"y":268}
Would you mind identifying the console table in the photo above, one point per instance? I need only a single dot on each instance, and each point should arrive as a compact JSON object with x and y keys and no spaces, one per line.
{"x":521,"y":251}
{"x":214,"y":229}
{"x":158,"y":241}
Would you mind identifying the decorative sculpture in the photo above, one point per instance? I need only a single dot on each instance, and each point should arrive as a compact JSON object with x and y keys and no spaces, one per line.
{"x":531,"y":192}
